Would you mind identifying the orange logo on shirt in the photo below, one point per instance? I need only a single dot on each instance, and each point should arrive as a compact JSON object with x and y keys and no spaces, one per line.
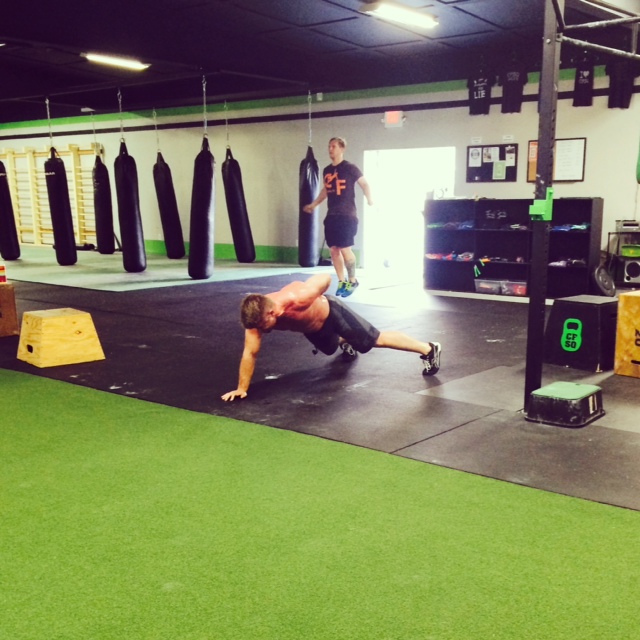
{"x":331,"y":182}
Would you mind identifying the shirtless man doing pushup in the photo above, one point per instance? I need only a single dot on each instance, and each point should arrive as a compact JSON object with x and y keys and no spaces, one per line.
{"x":325,"y":321}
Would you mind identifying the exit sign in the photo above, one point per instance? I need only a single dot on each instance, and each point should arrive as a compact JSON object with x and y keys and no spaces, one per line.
{"x":393,"y":119}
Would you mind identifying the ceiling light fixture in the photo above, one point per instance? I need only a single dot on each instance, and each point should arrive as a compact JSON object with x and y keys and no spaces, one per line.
{"x":394,"y":12}
{"x":115,"y":61}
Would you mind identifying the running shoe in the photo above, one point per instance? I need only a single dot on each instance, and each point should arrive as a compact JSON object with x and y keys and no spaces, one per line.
{"x":432,"y":360}
{"x":341,"y":287}
{"x":348,"y":352}
{"x":349,"y":288}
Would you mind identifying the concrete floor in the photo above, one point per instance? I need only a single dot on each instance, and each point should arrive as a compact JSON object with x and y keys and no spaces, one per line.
{"x":180,"y":346}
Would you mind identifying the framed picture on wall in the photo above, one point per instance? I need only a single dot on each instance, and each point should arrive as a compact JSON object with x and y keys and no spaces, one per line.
{"x":568,"y":160}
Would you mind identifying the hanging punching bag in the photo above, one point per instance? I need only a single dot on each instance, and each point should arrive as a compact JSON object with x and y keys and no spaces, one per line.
{"x":60,"y":207}
{"x":202,"y":215}
{"x":169,"y":216}
{"x":134,"y":257}
{"x":9,"y":246}
{"x":103,"y":208}
{"x":237,"y":209}
{"x":308,"y":225}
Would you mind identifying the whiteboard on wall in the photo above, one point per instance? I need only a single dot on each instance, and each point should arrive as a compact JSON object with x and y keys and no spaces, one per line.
{"x":568,"y":160}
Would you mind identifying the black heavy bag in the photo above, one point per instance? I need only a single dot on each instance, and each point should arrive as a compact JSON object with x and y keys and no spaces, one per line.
{"x":202,"y":215}
{"x":169,"y":216}
{"x":103,"y":208}
{"x":237,"y":209}
{"x":134,"y":257}
{"x":60,"y":207}
{"x":308,"y":225}
{"x":9,"y":246}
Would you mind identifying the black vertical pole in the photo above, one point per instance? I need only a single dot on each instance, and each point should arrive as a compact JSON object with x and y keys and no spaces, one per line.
{"x":544,"y":179}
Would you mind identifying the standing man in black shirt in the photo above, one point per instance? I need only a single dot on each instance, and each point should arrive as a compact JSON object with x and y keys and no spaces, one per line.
{"x":341,"y":223}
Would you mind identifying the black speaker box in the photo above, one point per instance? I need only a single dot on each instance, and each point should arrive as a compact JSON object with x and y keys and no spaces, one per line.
{"x":632,"y":270}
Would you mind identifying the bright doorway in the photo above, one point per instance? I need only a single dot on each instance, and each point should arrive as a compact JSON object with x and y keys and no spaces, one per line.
{"x":393,"y":229}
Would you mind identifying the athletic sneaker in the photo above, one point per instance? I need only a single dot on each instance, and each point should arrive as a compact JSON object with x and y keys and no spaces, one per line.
{"x":432,"y":360}
{"x":349,"y":288}
{"x":341,"y":287}
{"x":348,"y":352}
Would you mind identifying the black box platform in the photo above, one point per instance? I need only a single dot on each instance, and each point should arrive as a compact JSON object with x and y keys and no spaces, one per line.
{"x":565,"y":404}
{"x":581,"y":333}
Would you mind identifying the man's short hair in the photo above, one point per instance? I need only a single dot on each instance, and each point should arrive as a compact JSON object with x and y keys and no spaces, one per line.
{"x":341,"y":141}
{"x":253,"y":309}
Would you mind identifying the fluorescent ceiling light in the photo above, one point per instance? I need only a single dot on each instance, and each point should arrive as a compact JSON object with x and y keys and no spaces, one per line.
{"x":115,"y":61}
{"x":394,"y":12}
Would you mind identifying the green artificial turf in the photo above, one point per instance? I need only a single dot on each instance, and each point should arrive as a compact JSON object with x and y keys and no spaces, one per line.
{"x":122,"y":519}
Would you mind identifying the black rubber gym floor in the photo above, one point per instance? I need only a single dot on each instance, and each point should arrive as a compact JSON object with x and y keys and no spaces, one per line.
{"x":181,"y":346}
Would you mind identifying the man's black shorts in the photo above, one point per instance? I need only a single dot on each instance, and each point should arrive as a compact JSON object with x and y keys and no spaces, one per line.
{"x":344,"y":323}
{"x":340,"y":230}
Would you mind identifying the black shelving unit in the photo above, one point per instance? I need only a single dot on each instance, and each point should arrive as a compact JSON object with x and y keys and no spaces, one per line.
{"x":490,"y":240}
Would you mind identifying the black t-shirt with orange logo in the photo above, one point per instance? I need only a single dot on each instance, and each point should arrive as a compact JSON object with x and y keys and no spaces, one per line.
{"x":340,"y":182}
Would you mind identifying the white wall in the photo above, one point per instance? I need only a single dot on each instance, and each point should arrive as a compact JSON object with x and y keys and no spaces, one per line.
{"x":270,"y":153}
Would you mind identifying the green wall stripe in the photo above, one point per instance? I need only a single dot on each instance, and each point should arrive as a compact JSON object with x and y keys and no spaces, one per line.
{"x":155,"y":247}
{"x":278,"y":255}
{"x":283,"y":255}
{"x":221,"y":251}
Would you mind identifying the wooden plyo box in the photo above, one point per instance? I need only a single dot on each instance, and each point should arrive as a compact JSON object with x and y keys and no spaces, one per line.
{"x":8,"y":315}
{"x":627,"y":360}
{"x":58,"y":336}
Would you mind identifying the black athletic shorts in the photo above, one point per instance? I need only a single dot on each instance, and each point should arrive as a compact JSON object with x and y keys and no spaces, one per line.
{"x":345,"y":323}
{"x":340,"y":230}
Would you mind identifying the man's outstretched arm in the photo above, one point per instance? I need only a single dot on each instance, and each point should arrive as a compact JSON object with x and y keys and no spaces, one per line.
{"x":252,"y":342}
